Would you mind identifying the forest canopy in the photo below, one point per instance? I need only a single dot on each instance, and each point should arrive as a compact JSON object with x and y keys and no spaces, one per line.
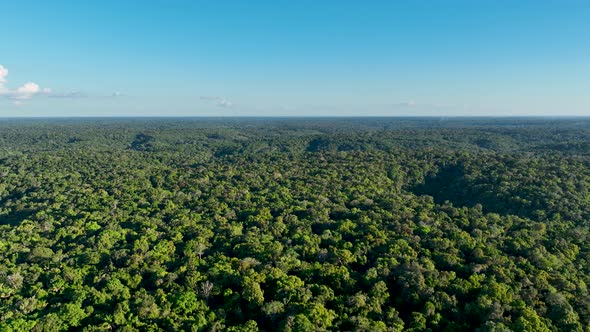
{"x":287,"y":224}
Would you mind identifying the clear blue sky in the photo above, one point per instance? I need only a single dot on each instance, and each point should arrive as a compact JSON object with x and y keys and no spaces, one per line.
{"x":181,"y":57}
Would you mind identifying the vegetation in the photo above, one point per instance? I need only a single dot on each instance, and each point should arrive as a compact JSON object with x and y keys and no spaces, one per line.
{"x":295,"y":224}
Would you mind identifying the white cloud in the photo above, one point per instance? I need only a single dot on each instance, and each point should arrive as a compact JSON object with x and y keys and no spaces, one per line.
{"x":3,"y":74}
{"x":224,"y":103}
{"x":29,"y":88}
{"x":27,"y":91}
{"x":33,"y":90}
{"x":70,"y":94}
{"x":219,"y":101}
{"x":409,"y":103}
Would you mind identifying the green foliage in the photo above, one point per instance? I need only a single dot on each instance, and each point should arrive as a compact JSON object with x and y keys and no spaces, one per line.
{"x":295,"y":225}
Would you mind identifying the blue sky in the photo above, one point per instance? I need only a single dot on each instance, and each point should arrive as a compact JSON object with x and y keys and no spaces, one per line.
{"x":285,"y":58}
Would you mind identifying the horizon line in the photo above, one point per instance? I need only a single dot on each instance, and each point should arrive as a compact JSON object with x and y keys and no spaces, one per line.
{"x":292,"y":116}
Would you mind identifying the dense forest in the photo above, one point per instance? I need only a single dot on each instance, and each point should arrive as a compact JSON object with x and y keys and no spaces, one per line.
{"x":286,"y":224}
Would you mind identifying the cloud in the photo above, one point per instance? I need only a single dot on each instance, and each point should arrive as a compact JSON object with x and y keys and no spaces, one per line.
{"x":70,"y":94}
{"x":29,"y":88}
{"x":3,"y":74}
{"x":219,"y":101}
{"x":33,"y":90}
{"x":76,"y":94}
{"x":224,"y":103}
{"x":27,"y":91}
{"x":409,"y":103}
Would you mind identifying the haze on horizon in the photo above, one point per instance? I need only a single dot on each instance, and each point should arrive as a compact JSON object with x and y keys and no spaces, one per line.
{"x":298,"y":58}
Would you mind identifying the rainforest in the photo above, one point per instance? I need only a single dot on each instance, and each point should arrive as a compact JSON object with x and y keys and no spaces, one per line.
{"x":295,"y":224}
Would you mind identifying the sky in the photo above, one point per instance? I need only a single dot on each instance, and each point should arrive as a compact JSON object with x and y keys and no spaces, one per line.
{"x":294,"y":58}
